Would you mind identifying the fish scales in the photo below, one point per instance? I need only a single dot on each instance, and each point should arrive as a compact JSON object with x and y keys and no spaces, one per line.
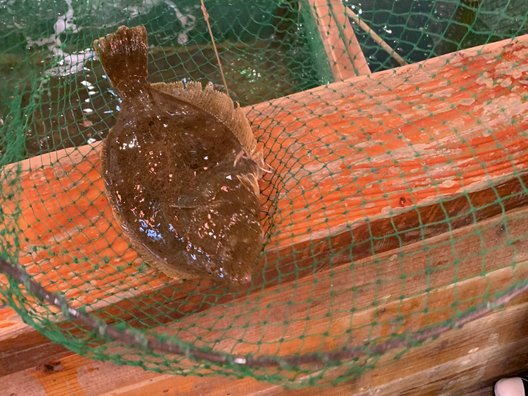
{"x":180,"y":170}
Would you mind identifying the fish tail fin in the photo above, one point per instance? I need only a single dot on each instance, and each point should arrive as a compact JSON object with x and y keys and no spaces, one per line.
{"x":124,"y":58}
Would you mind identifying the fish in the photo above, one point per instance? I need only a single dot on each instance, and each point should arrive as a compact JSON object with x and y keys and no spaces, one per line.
{"x":180,"y":169}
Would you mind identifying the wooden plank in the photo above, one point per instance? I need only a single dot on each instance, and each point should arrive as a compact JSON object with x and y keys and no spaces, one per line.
{"x":483,"y":356}
{"x":430,"y":289}
{"x":339,"y":40}
{"x":64,"y":202}
{"x":482,"y":351}
{"x":417,"y":122}
{"x":502,"y":237}
{"x":29,"y":349}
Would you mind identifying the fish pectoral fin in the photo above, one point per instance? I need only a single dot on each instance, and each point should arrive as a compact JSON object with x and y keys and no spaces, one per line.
{"x":262,"y":167}
{"x":239,"y":156}
{"x":250,"y":180}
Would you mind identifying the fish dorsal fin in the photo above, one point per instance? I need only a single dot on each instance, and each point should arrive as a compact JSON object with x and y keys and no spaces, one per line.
{"x":215,"y":103}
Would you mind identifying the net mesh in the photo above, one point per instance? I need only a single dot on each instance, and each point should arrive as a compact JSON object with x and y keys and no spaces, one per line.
{"x":395,"y":206}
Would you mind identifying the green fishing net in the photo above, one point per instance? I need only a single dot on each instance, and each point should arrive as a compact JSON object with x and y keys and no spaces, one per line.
{"x":363,"y":260}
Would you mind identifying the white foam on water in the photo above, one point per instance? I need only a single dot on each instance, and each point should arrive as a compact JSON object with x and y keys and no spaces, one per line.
{"x":72,"y":63}
{"x":69,"y":63}
{"x":188,"y":21}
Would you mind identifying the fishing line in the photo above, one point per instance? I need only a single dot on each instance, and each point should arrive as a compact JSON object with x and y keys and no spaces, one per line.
{"x":206,"y":17}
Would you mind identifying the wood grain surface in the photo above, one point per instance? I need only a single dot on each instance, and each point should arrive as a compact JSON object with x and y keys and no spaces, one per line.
{"x":341,"y":45}
{"x":393,"y":194}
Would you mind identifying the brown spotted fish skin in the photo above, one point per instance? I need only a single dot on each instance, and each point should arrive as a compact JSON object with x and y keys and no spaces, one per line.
{"x":181,"y":183}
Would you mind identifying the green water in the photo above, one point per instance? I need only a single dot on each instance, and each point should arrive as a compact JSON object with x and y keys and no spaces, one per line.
{"x":66,"y":99}
{"x":268,"y":48}
{"x":423,"y":29}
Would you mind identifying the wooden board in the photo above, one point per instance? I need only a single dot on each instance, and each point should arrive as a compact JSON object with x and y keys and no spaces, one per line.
{"x":461,"y":361}
{"x":342,"y":48}
{"x":304,"y":319}
{"x":15,"y":351}
{"x":397,"y":167}
{"x":500,"y":343}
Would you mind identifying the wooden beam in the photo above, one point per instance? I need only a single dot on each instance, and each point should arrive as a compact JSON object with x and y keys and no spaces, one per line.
{"x":376,"y":37}
{"x":29,"y":350}
{"x":471,"y":358}
{"x":399,"y":168}
{"x":396,"y":292}
{"x":406,"y":305}
{"x":339,"y":40}
{"x":391,"y":177}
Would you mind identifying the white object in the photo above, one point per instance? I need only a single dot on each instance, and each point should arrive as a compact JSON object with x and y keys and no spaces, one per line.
{"x":511,"y":387}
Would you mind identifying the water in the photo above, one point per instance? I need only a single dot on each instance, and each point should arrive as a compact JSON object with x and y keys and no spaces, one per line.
{"x":422,"y":29}
{"x":264,"y":47}
{"x":50,"y":61}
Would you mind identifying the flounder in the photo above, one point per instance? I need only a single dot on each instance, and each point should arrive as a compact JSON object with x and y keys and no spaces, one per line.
{"x":181,"y":169}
